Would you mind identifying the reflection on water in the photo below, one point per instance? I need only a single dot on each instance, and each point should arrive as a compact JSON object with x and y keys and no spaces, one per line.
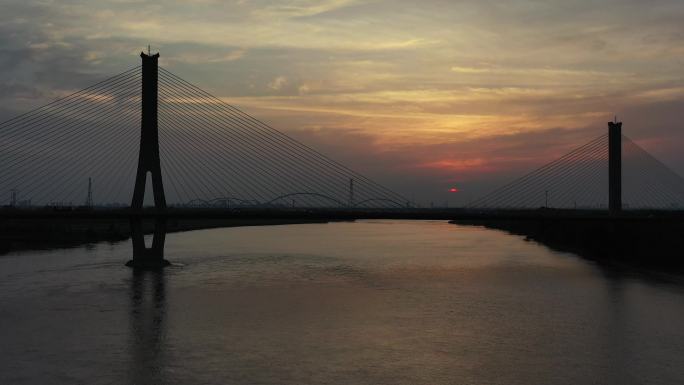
{"x":372,"y":302}
{"x":147,"y":329}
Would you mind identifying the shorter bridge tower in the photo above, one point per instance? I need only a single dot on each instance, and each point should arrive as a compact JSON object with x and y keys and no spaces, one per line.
{"x":615,"y":166}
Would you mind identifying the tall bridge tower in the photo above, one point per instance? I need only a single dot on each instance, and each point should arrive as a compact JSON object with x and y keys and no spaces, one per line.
{"x":615,"y":166}
{"x":148,"y":161}
{"x":148,"y":158}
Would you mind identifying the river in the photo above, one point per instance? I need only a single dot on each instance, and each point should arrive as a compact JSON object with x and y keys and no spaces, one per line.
{"x":369,"y":302}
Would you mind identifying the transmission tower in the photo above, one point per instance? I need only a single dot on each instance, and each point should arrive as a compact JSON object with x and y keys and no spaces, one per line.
{"x":89,"y":198}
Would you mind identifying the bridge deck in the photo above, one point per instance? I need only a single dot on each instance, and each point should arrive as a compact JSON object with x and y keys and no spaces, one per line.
{"x":345,"y":214}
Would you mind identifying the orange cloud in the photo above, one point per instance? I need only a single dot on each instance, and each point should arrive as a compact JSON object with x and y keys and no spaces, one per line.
{"x":456,"y":164}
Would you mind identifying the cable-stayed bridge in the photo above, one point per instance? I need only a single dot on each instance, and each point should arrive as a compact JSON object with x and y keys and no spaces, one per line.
{"x":198,"y":151}
{"x":201,"y":152}
{"x":609,"y":172}
{"x":149,"y":129}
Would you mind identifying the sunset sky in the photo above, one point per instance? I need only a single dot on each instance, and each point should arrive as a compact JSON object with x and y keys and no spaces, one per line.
{"x":421,"y":96}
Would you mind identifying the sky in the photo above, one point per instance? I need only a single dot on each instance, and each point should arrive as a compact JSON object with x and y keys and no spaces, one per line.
{"x":420,"y":96}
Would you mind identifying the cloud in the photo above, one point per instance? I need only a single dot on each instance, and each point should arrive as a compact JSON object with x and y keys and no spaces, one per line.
{"x":452,"y":165}
{"x":199,"y":57}
{"x":301,"y":8}
{"x":278,"y":83}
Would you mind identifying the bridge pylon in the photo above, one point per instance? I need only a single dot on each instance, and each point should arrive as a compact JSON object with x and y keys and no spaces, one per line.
{"x":148,"y":157}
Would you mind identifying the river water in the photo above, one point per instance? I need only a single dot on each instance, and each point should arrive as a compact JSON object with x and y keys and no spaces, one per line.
{"x":371,"y":302}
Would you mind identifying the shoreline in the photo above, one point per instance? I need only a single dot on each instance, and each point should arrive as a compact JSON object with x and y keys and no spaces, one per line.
{"x":25,"y":235}
{"x":644,"y":246}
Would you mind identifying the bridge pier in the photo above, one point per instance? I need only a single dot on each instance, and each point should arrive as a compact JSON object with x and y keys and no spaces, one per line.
{"x":144,"y":257}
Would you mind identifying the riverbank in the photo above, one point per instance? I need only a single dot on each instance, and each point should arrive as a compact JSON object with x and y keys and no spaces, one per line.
{"x":643,"y":242}
{"x":28,"y":234}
